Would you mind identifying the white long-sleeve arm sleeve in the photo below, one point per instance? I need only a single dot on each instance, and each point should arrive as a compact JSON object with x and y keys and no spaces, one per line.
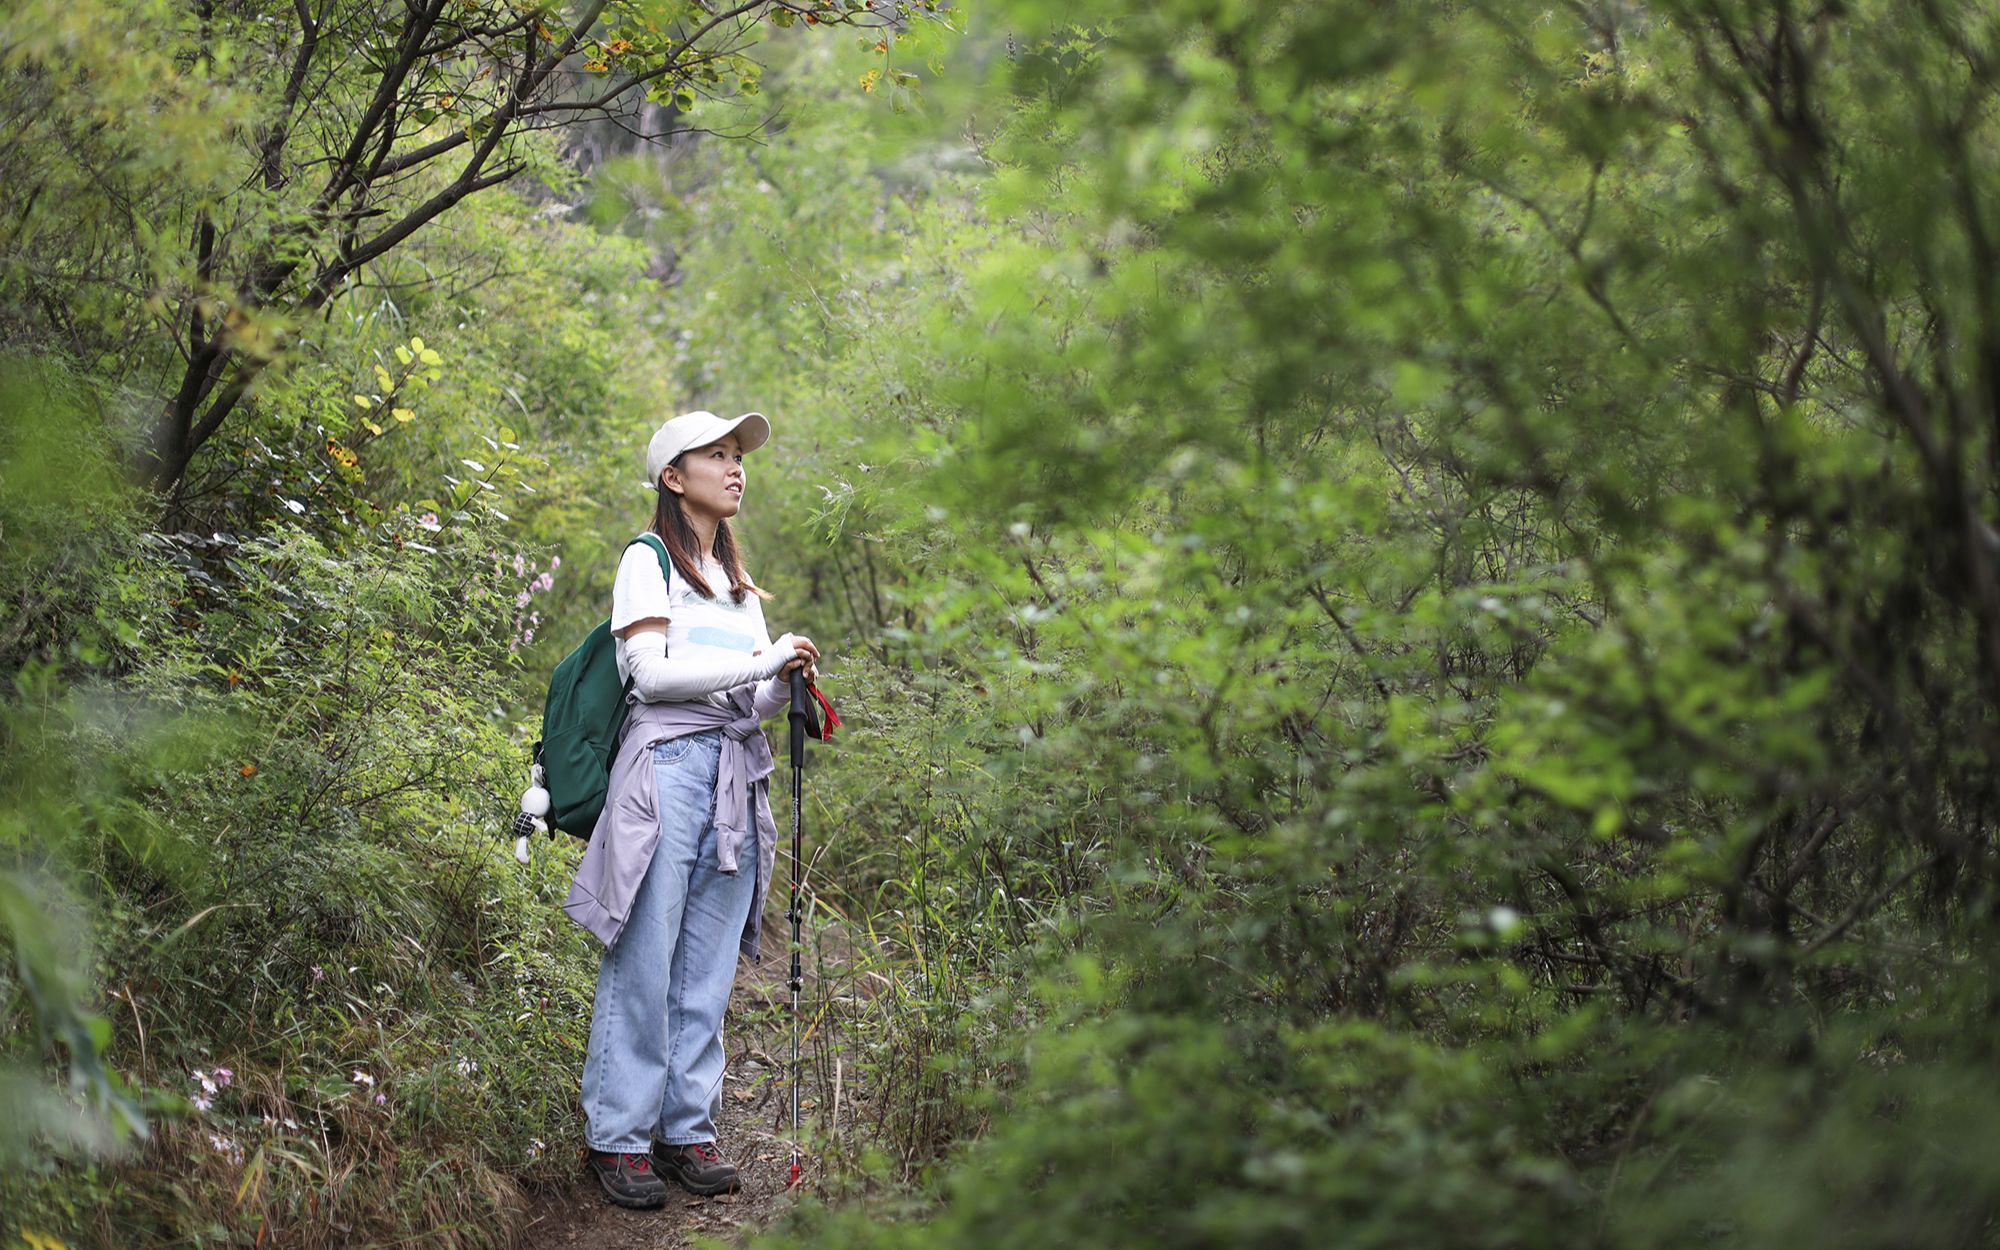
{"x":660,"y":678}
{"x":773,"y":696}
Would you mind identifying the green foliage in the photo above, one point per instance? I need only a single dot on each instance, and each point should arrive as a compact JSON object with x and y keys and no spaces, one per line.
{"x":45,"y":472}
{"x":259,"y":768}
{"x":1446,"y":543}
{"x":1411,"y":586}
{"x":280,"y":793}
{"x":286,"y":152}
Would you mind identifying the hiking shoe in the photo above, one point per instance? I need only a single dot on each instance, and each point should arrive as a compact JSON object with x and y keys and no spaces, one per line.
{"x":629,"y":1180}
{"x":697,"y":1165}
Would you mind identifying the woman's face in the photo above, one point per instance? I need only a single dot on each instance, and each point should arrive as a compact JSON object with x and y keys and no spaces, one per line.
{"x":709,"y":479}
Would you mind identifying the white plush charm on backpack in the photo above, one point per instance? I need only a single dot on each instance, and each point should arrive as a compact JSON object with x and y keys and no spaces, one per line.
{"x":534,"y":806}
{"x":535,"y":800}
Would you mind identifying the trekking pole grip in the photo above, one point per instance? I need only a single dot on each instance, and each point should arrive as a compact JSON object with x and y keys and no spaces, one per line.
{"x":798,"y":716}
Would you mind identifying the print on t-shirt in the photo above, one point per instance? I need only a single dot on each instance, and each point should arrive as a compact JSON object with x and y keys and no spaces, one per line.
{"x":710,"y":636}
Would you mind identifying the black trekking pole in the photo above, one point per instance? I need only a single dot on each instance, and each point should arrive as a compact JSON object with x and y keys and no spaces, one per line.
{"x":798,"y":715}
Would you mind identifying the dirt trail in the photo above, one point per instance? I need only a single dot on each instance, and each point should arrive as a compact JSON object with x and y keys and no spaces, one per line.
{"x":754,"y":1116}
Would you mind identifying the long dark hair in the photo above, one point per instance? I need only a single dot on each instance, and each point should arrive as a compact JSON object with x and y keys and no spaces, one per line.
{"x":670,"y":522}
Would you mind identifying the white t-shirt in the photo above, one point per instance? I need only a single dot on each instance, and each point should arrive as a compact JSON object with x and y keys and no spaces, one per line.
{"x":694,"y":624}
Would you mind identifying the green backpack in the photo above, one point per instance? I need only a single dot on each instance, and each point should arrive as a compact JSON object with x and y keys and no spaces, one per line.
{"x":580,"y":722}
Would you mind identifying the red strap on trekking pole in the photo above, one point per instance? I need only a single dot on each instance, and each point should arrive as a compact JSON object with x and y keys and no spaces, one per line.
{"x":829,"y":720}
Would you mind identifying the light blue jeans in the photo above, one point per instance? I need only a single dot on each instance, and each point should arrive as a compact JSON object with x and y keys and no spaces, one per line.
{"x":654,"y":1069}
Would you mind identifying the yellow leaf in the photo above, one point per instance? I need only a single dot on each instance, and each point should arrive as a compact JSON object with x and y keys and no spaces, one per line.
{"x":403,"y":355}
{"x":403,"y":414}
{"x":363,"y":402}
{"x":416,"y":344}
{"x":372,"y":427}
{"x":430,"y":357}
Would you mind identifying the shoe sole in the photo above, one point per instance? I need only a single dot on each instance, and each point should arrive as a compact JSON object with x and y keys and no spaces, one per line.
{"x":729,"y":1186}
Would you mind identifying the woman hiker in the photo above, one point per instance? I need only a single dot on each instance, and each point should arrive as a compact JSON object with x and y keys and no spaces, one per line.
{"x":674,"y":879}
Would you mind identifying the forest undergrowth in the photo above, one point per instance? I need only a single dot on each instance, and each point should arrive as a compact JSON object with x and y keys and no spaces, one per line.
{"x":1415,"y":592}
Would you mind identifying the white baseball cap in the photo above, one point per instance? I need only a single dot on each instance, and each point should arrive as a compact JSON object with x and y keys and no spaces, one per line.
{"x":699,"y":429}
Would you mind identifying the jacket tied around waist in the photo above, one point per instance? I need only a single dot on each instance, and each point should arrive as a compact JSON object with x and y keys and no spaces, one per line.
{"x":628,"y":830}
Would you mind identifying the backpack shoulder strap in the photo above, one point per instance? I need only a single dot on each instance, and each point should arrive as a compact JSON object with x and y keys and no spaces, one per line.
{"x":659,"y":549}
{"x":666,"y":571}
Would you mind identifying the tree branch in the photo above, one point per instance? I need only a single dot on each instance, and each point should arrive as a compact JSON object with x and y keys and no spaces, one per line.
{"x":272,"y":148}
